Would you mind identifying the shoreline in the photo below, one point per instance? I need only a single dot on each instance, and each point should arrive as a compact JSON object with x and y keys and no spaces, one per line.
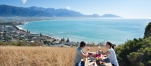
{"x":76,"y":38}
{"x":34,"y":33}
{"x":55,"y":37}
{"x":59,"y":38}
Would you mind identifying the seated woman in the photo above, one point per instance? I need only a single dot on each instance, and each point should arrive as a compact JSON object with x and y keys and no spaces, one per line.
{"x":111,"y":54}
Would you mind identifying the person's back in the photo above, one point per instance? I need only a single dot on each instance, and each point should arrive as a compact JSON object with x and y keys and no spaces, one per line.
{"x":77,"y":57}
{"x":112,"y":57}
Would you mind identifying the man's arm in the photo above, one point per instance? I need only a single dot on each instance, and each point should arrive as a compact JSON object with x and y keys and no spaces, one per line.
{"x":86,"y":53}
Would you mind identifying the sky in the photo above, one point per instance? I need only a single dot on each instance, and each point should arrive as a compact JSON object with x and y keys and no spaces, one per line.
{"x":123,"y":8}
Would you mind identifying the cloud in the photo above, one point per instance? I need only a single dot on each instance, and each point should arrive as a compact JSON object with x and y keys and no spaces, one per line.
{"x":79,"y":10}
{"x":68,"y":7}
{"x":24,"y":1}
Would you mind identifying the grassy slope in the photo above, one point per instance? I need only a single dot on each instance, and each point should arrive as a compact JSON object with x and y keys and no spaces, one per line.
{"x":38,"y":56}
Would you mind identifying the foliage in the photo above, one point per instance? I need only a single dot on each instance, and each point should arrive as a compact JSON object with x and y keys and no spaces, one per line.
{"x":20,"y":43}
{"x":35,"y":44}
{"x":3,"y":43}
{"x":147,"y":32}
{"x":63,"y":39}
{"x":136,"y":52}
{"x":67,"y":40}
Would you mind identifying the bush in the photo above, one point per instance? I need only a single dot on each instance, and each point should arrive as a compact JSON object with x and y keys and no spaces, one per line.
{"x":136,"y":52}
{"x":14,"y":43}
{"x":20,"y":43}
{"x":35,"y":44}
{"x":3,"y":43}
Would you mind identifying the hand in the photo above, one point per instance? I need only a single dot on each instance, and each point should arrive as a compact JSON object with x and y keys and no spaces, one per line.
{"x":101,"y":62}
{"x":100,"y":58}
{"x":88,"y":48}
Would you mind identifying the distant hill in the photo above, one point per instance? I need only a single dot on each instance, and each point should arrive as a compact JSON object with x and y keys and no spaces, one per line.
{"x":110,"y":16}
{"x":10,"y":11}
{"x":6,"y":10}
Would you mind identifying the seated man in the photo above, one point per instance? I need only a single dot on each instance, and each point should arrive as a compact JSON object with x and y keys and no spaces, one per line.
{"x":80,"y":54}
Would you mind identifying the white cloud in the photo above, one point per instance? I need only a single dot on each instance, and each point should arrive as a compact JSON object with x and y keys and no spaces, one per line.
{"x":24,"y":1}
{"x":79,"y":10}
{"x":68,"y":7}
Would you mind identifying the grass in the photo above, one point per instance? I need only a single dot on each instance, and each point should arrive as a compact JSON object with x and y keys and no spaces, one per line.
{"x":38,"y":56}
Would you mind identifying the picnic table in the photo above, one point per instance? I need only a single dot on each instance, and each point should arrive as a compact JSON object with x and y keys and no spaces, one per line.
{"x":105,"y":60}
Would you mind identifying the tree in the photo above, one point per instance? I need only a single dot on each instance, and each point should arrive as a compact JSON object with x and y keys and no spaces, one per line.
{"x":136,"y":52}
{"x":63,"y":39}
{"x":67,"y":40}
{"x":147,"y":32}
{"x":40,"y":35}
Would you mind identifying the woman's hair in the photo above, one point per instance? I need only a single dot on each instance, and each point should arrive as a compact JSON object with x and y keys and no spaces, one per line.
{"x":82,"y":44}
{"x":110,"y":44}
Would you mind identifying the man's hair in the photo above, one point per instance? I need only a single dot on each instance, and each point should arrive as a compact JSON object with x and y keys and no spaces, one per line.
{"x":82,"y":44}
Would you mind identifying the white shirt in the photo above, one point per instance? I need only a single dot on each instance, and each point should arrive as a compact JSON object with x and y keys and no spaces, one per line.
{"x":112,"y":57}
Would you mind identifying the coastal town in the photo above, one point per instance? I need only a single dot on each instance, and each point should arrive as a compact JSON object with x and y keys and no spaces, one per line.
{"x":9,"y":32}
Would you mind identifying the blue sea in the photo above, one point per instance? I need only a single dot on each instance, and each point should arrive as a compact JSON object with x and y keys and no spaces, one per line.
{"x":96,"y":30}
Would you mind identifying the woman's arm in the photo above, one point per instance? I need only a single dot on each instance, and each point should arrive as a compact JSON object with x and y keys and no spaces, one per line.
{"x":106,"y":53}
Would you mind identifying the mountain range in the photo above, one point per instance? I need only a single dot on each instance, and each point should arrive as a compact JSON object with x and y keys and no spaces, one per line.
{"x":10,"y":11}
{"x":110,"y":16}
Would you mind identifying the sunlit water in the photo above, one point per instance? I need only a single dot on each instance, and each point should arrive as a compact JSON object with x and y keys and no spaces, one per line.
{"x":91,"y":30}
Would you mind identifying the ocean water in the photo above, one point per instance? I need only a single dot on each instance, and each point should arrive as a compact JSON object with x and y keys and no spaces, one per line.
{"x":117,"y":31}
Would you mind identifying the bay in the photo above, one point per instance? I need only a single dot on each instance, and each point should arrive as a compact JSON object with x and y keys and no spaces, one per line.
{"x":90,"y":30}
